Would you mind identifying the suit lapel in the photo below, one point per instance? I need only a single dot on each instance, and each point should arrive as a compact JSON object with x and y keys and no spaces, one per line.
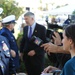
{"x":26,"y":32}
{"x":35,"y":30}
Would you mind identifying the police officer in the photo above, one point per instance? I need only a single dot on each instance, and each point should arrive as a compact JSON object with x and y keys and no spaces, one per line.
{"x":68,"y":20}
{"x":8,"y":25}
{"x":7,"y":66}
{"x":6,"y":62}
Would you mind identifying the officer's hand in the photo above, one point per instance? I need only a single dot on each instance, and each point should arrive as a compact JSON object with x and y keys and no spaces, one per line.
{"x":57,"y":38}
{"x":31,"y":53}
{"x":13,"y":53}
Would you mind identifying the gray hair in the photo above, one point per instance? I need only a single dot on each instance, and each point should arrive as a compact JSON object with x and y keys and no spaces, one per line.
{"x":30,"y":14}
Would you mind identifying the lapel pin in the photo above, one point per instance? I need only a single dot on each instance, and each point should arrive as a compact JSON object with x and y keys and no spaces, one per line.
{"x":35,"y":30}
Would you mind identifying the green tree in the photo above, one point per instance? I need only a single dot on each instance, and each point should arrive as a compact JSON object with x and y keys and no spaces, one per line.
{"x":73,"y":12}
{"x":10,"y":7}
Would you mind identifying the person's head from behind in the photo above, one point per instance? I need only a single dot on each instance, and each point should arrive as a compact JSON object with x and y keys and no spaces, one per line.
{"x":29,"y":18}
{"x":53,"y":20}
{"x":69,"y":16}
{"x":69,"y":38}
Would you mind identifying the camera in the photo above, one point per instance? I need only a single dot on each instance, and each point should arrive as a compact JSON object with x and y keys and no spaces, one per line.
{"x":50,"y":33}
{"x":36,"y":40}
{"x":53,"y":28}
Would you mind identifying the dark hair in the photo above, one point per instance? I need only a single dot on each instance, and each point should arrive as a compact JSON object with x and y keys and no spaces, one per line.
{"x":70,"y":32}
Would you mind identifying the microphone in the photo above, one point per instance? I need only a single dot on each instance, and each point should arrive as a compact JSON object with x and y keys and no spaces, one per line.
{"x":37,"y":40}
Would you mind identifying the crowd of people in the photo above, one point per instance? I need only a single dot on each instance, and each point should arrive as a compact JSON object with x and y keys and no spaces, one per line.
{"x":32,"y":54}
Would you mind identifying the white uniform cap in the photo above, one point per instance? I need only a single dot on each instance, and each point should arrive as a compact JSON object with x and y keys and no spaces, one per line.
{"x":1,"y":10}
{"x":9,"y":19}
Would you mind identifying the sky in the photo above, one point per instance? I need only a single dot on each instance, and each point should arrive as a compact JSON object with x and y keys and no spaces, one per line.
{"x":36,"y":2}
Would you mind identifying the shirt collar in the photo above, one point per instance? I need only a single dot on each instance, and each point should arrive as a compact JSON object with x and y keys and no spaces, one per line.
{"x":33,"y":25}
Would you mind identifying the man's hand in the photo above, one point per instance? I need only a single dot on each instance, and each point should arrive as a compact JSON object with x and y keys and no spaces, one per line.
{"x":31,"y":53}
{"x":57,"y":38}
{"x":52,"y":48}
{"x":50,"y":69}
{"x":49,"y":47}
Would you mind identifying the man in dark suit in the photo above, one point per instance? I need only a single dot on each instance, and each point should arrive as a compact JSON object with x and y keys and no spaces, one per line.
{"x":8,"y":25}
{"x":33,"y":55}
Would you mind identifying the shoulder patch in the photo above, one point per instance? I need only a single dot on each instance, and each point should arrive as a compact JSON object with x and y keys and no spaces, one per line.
{"x":5,"y":47}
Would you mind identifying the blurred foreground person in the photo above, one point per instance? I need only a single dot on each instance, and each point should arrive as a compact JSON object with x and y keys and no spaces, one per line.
{"x":68,"y":45}
{"x":57,"y":47}
{"x":57,"y":59}
{"x":8,"y":25}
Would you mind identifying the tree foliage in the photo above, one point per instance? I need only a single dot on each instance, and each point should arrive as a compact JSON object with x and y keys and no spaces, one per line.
{"x":73,"y":12}
{"x":10,"y":7}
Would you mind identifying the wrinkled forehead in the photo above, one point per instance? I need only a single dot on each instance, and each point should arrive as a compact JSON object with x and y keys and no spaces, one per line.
{"x":28,"y":17}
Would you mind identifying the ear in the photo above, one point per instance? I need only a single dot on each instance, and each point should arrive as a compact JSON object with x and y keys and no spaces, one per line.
{"x":71,"y":42}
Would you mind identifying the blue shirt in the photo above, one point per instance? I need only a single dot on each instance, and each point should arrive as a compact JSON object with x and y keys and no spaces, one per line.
{"x":69,"y":68}
{"x":33,"y":27}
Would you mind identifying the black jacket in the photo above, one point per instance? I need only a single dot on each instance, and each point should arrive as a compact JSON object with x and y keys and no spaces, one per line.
{"x":27,"y":45}
{"x":34,"y":64}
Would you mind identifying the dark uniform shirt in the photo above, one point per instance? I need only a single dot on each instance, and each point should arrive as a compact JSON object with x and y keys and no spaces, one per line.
{"x":12,"y":42}
{"x":5,"y":59}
